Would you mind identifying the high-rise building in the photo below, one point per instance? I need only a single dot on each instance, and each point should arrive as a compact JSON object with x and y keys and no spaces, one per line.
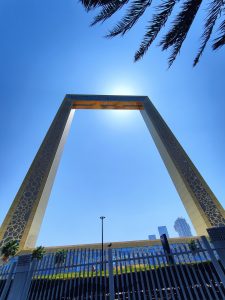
{"x":152,"y":237}
{"x":163,"y":230}
{"x":182,"y":227}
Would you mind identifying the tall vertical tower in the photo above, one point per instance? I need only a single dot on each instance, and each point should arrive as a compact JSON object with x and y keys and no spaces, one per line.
{"x":163,"y":230}
{"x":25,"y":215}
{"x":152,"y":237}
{"x":182,"y":227}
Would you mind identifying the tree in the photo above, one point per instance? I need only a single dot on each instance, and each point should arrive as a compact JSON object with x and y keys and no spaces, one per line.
{"x":60,"y":256}
{"x":192,"y":246}
{"x":38,"y":253}
{"x":181,"y":24}
{"x":9,"y":249}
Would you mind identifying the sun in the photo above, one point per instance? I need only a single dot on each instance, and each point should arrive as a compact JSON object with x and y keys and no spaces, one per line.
{"x":121,"y":114}
{"x":120,"y":117}
{"x":123,"y":90}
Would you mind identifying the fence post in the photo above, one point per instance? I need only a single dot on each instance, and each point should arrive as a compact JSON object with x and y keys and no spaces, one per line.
{"x":111,"y":279}
{"x":217,"y":238}
{"x":26,"y":288}
{"x":20,"y":288}
{"x":213,"y":259}
{"x":8,"y":282}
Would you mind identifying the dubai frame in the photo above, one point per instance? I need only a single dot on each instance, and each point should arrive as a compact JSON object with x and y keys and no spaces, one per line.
{"x":25,"y":215}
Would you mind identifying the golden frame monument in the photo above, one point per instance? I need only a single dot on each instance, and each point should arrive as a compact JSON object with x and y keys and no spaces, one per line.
{"x":25,"y":215}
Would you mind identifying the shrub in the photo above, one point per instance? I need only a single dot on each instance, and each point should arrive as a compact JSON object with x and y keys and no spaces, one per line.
{"x":38,"y":253}
{"x":60,"y":256}
{"x":192,"y":246}
{"x":9,"y":249}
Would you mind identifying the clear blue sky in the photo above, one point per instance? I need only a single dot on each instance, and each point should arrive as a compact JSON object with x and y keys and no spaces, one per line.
{"x":110,"y":165}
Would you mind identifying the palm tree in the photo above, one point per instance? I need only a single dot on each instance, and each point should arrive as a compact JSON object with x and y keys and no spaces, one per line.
{"x":38,"y":253}
{"x":181,"y":24}
{"x":9,"y":250}
{"x":60,"y":256}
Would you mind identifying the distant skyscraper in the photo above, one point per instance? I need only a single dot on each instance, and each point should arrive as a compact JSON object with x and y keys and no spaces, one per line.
{"x":181,"y":226}
{"x":152,"y":237}
{"x":163,"y":230}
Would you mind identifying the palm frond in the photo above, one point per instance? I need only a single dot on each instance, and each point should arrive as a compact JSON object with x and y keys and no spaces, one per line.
{"x":158,"y":21}
{"x":175,"y":36}
{"x":91,"y":4}
{"x":215,"y":8}
{"x":135,"y":11}
{"x":220,"y":41}
{"x":108,"y":10}
{"x":181,"y":25}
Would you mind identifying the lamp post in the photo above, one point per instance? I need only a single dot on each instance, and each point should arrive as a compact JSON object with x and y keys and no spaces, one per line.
{"x":102,"y":218}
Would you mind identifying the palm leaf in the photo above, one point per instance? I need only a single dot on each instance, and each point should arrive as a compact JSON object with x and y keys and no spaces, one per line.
{"x":158,"y":21}
{"x":175,"y":37}
{"x":135,"y":11}
{"x":181,"y":25}
{"x":91,"y":4}
{"x":215,"y":8}
{"x":220,"y":41}
{"x":108,"y":10}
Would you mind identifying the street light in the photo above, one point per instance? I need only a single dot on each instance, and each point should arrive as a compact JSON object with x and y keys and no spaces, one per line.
{"x":102,"y":218}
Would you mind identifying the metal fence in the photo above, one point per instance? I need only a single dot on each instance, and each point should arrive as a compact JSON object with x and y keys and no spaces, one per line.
{"x":138,"y":273}
{"x":7,"y":273}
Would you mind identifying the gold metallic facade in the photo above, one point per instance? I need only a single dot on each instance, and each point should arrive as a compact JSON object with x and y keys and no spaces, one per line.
{"x":25,"y":216}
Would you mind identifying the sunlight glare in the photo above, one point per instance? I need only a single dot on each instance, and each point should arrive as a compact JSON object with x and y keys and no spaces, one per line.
{"x":123,"y":90}
{"x":121,"y":116}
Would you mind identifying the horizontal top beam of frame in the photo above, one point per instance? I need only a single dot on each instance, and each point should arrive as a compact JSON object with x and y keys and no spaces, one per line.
{"x":106,"y":102}
{"x":107,"y":105}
